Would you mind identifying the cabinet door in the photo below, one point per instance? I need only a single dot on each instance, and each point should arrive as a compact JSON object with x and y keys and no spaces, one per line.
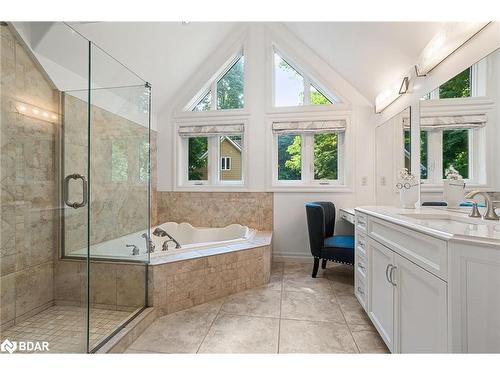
{"x":380,"y":291}
{"x":420,"y":300}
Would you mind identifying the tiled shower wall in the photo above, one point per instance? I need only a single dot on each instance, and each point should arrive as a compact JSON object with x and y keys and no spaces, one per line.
{"x":254,"y":210}
{"x":28,"y":194}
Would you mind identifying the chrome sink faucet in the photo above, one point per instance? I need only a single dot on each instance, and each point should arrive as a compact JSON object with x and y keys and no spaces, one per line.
{"x":490,"y":213}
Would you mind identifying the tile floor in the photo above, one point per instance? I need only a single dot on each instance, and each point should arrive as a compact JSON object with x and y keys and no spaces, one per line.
{"x":294,"y":313}
{"x":64,"y":327}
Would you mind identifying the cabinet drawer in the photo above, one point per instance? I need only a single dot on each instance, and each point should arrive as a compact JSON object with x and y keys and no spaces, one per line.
{"x":360,"y":292}
{"x":347,"y":216}
{"x":361,"y":243}
{"x":428,"y":252}
{"x":361,"y":222}
{"x":361,"y":267}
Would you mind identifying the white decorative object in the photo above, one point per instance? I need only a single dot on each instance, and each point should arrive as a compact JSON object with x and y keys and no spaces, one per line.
{"x":453,"y":187}
{"x":408,"y":188}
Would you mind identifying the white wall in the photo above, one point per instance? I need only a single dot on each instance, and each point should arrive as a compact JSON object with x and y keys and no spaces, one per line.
{"x":290,"y":229}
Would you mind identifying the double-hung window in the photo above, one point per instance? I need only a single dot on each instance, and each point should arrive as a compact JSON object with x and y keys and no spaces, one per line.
{"x":309,"y":152}
{"x":212,"y":154}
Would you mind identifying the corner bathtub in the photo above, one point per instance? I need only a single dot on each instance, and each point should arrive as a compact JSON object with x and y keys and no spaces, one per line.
{"x":190,"y":238}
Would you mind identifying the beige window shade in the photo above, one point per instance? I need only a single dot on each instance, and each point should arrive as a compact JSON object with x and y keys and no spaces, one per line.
{"x":208,"y":130}
{"x":330,"y":126}
{"x":453,"y":122}
{"x":405,"y":121}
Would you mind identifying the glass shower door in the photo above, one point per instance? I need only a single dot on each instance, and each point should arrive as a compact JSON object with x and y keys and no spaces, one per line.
{"x":119,"y":196}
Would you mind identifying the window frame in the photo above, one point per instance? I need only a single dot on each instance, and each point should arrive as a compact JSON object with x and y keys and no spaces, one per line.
{"x":213,"y":182}
{"x":307,"y":183}
{"x":211,"y":87}
{"x":223,"y":166}
{"x":308,"y":81}
{"x":435,"y":157}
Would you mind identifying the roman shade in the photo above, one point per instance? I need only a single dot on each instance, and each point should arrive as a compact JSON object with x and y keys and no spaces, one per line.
{"x":329,"y":126}
{"x":209,"y":130}
{"x":405,"y":121}
{"x":452,"y":122}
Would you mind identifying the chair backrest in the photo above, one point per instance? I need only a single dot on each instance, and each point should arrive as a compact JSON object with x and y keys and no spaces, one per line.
{"x":320,"y":224}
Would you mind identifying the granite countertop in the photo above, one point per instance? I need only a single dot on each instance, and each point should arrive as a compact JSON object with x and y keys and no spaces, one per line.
{"x":439,"y":222}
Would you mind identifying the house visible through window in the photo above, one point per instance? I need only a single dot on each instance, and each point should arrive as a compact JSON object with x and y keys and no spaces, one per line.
{"x":226,"y":91}
{"x":212,"y":159}
{"x":293,"y":88}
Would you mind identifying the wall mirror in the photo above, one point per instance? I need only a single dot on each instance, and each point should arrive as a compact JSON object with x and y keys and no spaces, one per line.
{"x":460,"y":135}
{"x":393,"y":152}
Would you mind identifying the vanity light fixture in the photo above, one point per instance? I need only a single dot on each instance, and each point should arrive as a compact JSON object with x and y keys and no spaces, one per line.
{"x":36,"y":112}
{"x":444,"y":43}
{"x":404,"y":85}
{"x":391,"y":94}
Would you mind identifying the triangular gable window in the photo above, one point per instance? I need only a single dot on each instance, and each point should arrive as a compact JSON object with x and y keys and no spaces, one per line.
{"x":294,"y":88}
{"x":226,"y":91}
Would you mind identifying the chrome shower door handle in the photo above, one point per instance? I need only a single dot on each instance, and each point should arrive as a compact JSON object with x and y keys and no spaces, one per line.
{"x":75,"y":176}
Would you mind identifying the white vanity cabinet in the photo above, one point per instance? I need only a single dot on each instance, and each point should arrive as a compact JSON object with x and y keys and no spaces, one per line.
{"x":406,"y":302}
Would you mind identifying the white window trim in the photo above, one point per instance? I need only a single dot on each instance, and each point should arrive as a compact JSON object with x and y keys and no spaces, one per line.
{"x":211,"y":86}
{"x":307,"y":182}
{"x":308,"y":80}
{"x":213,"y":183}
{"x":480,"y":168}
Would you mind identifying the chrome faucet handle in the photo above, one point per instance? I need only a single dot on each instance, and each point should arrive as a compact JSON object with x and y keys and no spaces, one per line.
{"x":475,"y":211}
{"x":135,"y":249}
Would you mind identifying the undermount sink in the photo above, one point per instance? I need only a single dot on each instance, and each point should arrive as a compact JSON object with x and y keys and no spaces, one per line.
{"x":431,"y":217}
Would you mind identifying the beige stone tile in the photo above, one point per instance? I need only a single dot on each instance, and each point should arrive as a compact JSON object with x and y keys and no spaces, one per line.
{"x":298,"y":336}
{"x":307,"y":284}
{"x":367,"y":339}
{"x":263,"y":302}
{"x":352,"y":310}
{"x":242,"y":334}
{"x":180,"y":332}
{"x":307,"y":306}
{"x":130,"y":285}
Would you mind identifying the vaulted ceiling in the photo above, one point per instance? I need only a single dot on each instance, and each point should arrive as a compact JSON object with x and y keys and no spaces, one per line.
{"x":369,"y":55}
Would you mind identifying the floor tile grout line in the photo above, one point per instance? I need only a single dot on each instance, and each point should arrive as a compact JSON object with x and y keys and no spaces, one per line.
{"x":343,"y":315}
{"x":281,"y":306}
{"x":211,"y":325}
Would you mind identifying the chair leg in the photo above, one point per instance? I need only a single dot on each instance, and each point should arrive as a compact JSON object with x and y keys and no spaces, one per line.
{"x":315,"y":267}
{"x":323,"y":264}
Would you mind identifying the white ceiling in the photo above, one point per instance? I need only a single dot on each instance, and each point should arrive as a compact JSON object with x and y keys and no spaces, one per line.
{"x":162,"y":53}
{"x":369,"y":55}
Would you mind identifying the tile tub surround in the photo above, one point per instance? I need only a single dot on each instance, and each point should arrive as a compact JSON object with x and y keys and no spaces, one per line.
{"x":208,"y":209}
{"x":190,"y":279}
{"x":262,"y":320}
{"x":28,"y":194}
{"x":113,"y":286}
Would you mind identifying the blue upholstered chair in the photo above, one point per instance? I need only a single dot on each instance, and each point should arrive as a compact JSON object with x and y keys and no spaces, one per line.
{"x":324,"y":244}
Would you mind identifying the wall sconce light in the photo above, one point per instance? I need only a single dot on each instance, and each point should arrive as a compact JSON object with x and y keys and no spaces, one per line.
{"x":36,"y":112}
{"x":444,"y":43}
{"x":391,"y":94}
{"x":404,"y":85}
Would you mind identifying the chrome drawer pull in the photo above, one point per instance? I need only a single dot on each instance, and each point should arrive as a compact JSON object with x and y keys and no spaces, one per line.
{"x":391,"y":275}
{"x":361,"y":291}
{"x":387,"y":273}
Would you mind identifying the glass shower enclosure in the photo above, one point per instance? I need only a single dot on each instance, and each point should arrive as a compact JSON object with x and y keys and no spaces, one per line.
{"x":102,"y":190}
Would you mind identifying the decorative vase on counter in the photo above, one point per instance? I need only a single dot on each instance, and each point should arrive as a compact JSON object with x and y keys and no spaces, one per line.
{"x":453,"y":188}
{"x":408,"y":188}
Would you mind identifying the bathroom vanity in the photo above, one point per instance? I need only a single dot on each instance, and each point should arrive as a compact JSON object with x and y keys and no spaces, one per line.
{"x":429,"y":278}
